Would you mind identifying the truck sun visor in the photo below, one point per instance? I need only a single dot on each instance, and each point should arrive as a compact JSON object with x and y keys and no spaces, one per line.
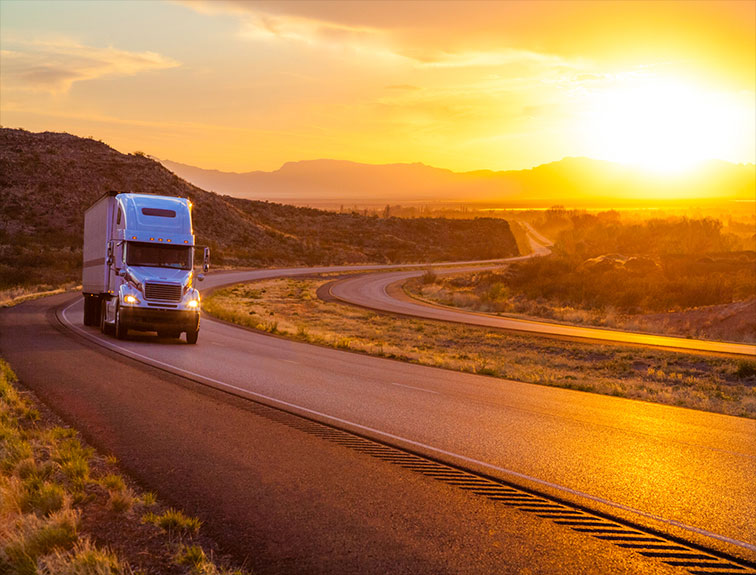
{"x":159,"y":212}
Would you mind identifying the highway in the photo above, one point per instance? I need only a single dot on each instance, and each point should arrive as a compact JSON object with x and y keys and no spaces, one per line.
{"x":680,"y":472}
{"x":206,"y":427}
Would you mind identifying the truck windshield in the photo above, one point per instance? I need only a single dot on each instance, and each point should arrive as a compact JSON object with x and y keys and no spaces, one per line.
{"x":159,"y":256}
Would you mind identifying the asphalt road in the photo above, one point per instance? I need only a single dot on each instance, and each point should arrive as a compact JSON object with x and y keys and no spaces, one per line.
{"x":279,"y":499}
{"x":680,"y":471}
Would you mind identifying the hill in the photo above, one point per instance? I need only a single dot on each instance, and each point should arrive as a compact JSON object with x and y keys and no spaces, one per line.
{"x":48,"y":180}
{"x":577,"y":182}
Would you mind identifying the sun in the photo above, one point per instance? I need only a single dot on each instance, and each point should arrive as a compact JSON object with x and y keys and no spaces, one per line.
{"x":662,"y":125}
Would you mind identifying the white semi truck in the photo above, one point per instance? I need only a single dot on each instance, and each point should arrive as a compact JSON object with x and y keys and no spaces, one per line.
{"x":139,"y":266}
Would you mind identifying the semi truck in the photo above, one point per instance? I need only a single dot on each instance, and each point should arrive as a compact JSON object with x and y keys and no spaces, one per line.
{"x":138,"y":271}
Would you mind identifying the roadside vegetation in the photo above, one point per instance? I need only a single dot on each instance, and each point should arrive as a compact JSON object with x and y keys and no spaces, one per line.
{"x":291,"y":308}
{"x":65,"y":510}
{"x":19,"y":294}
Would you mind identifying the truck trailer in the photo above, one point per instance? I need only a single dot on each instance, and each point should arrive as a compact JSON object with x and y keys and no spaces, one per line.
{"x":138,"y":269}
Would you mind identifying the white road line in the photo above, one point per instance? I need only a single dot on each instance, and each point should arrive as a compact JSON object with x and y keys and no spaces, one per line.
{"x":413,"y":387}
{"x":390,"y":436}
{"x":291,"y":361}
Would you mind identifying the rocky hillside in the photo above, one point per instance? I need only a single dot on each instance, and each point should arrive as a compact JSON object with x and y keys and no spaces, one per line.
{"x":48,"y":180}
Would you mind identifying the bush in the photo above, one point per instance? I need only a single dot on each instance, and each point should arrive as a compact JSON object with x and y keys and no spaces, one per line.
{"x":745,"y":369}
{"x":429,"y":277}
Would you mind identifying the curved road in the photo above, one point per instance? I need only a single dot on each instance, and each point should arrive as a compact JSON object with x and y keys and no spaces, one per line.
{"x":383,"y":292}
{"x":680,"y":471}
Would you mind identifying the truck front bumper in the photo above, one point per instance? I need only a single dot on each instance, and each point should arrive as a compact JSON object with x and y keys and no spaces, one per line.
{"x":145,"y":319}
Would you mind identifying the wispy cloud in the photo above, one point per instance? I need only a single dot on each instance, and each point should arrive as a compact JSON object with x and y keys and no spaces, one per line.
{"x":383,"y":29}
{"x":56,"y":65}
{"x":261,"y":21}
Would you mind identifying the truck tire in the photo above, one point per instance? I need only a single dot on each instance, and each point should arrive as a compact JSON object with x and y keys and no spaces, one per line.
{"x":104,"y":328}
{"x":121,"y":330}
{"x":91,"y":310}
{"x":192,"y":335}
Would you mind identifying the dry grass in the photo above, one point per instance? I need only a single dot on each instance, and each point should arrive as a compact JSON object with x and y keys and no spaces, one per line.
{"x":290,"y":307}
{"x":14,"y":296}
{"x":59,"y":501}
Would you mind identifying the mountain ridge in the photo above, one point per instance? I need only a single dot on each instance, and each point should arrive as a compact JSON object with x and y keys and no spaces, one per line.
{"x":575,"y":179}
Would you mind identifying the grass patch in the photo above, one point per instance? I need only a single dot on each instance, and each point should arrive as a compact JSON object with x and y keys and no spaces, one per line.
{"x":16,"y":295}
{"x":32,"y":538}
{"x":173,"y":521}
{"x":67,"y":511}
{"x":194,"y":557}
{"x":709,"y":383}
{"x":83,"y":559}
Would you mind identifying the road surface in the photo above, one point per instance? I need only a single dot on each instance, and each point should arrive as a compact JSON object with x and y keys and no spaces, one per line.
{"x":678,"y":471}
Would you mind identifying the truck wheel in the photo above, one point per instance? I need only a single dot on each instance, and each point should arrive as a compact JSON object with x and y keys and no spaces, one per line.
{"x":120,"y":327}
{"x":192,"y":335}
{"x":103,"y":325}
{"x":91,"y":307}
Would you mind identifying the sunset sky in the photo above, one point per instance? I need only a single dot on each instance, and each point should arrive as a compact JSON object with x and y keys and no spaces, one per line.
{"x":241,"y":86}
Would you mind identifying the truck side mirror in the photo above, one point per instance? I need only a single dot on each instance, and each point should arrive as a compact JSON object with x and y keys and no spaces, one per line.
{"x":110,"y":253}
{"x":206,"y":260}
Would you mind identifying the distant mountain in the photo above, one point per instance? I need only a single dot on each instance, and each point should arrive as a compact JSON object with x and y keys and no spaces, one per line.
{"x":328,"y":180}
{"x":571,"y":181}
{"x":48,"y":180}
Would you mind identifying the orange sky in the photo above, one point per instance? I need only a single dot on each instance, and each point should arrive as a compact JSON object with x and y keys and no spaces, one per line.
{"x":236,"y":85}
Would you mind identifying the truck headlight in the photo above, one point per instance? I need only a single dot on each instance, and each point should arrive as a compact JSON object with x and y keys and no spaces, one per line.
{"x":192,"y":303}
{"x":130,"y":299}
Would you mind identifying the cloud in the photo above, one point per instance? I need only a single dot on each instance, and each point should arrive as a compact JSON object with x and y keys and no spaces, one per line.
{"x":55,"y":66}
{"x":453,"y":36}
{"x":713,"y":38}
{"x":261,"y":21}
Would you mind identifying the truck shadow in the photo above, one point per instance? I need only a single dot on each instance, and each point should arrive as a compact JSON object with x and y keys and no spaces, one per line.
{"x":154,"y":338}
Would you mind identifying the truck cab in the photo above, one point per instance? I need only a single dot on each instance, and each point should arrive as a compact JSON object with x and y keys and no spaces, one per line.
{"x":139,"y":266}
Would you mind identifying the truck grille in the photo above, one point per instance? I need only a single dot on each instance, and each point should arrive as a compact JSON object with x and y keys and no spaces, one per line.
{"x":164,"y":292}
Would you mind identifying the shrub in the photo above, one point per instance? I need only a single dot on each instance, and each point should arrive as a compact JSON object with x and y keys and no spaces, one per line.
{"x":429,"y":277}
{"x":745,"y":369}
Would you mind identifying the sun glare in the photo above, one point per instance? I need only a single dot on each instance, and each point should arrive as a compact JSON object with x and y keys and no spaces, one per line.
{"x":663,"y":126}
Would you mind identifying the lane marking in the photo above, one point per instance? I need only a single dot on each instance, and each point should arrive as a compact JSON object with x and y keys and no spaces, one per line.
{"x":291,"y":361}
{"x":390,"y":436}
{"x":413,"y":387}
